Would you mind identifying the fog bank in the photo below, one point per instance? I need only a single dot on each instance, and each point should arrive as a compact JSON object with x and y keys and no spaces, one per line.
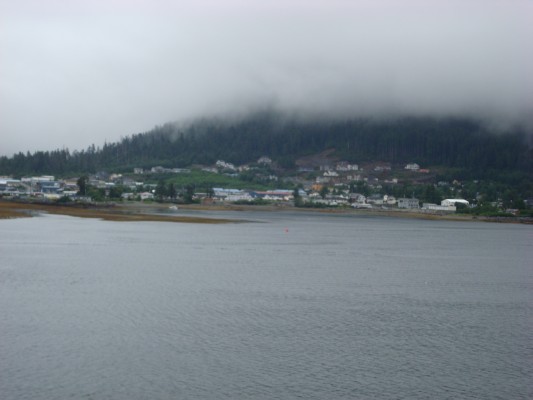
{"x":78,"y":73}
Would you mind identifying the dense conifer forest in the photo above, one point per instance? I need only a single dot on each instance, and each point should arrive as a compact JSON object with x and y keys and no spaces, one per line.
{"x":461,"y":144}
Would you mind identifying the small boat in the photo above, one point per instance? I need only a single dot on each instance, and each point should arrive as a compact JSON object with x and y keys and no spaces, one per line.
{"x":173,"y":208}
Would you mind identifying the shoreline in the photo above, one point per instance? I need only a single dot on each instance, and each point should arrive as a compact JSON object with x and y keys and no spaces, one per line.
{"x":107,"y":212}
{"x":150,"y":212}
{"x":392,"y":213}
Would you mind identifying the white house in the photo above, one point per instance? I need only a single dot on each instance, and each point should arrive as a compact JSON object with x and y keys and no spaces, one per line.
{"x":408,"y":203}
{"x":361,"y":205}
{"x":181,"y":170}
{"x":264,"y":160}
{"x":357,"y":198}
{"x":277,"y":194}
{"x":389,"y":199}
{"x":412,"y":167}
{"x":222,"y":193}
{"x":330,"y":174}
{"x":353,"y":177}
{"x":243,"y":196}
{"x":225,"y":165}
{"x":435,"y":207}
{"x":376,"y":199}
{"x":453,"y":202}
{"x":345,"y":166}
{"x":146,"y":196}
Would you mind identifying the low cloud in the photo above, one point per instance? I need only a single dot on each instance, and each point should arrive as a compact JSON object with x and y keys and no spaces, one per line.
{"x":85,"y":73}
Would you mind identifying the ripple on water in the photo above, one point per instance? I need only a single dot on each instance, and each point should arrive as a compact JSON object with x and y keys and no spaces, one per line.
{"x":339,"y":308}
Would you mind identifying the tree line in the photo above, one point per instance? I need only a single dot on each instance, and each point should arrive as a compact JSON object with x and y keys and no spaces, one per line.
{"x":457,"y":143}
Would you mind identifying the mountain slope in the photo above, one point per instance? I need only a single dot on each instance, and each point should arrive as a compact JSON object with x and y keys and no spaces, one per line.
{"x":457,"y":143}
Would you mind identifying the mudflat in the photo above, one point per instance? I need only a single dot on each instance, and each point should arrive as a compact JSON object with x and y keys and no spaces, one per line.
{"x":137,"y":211}
{"x":11,"y":209}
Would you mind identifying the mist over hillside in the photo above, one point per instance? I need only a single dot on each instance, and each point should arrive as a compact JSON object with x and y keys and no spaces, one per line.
{"x":82,"y":72}
{"x":451,"y":142}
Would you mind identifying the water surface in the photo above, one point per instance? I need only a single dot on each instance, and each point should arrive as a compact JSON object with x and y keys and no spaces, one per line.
{"x":290,"y":306}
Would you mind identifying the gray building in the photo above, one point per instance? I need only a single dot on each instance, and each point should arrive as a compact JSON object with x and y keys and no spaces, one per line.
{"x":408,"y":203}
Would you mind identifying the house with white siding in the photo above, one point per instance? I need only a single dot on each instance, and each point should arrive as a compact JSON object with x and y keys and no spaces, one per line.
{"x":408,"y":203}
{"x":453,"y":202}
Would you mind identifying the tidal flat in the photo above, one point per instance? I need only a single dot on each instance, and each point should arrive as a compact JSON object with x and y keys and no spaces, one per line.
{"x":105,"y":212}
{"x":199,"y":213}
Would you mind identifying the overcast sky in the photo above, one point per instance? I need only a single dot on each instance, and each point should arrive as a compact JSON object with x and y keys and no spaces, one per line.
{"x":78,"y":72}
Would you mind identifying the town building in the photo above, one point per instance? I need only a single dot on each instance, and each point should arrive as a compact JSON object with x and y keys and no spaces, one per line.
{"x":453,"y":202}
{"x":412,"y":167}
{"x":344,"y":166}
{"x":408,"y":203}
{"x":436,"y":207}
{"x":264,"y":160}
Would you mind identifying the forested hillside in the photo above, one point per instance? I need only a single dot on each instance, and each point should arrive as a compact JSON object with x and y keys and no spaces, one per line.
{"x":457,"y":143}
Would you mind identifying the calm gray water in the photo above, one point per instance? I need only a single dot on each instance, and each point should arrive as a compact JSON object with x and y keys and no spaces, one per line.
{"x":291,"y":306}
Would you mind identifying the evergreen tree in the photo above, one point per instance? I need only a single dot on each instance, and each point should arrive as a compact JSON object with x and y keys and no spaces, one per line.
{"x":171,"y":191}
{"x":160,"y":190}
{"x":82,"y":185}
